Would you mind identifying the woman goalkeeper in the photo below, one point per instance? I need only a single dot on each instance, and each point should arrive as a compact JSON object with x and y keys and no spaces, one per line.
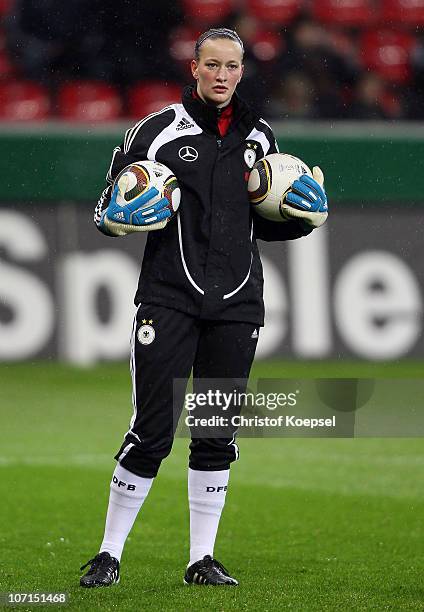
{"x":199,"y":298}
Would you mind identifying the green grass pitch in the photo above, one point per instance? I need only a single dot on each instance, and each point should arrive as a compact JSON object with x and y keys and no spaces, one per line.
{"x":309,"y":524}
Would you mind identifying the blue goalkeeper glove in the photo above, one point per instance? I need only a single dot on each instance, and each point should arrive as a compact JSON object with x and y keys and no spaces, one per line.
{"x":307,"y":201}
{"x":139,"y":215}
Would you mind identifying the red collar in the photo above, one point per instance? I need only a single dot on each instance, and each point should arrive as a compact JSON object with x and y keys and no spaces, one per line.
{"x":225,"y":116}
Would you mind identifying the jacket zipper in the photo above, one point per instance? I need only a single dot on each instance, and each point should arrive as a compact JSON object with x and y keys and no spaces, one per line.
{"x":219,"y":144}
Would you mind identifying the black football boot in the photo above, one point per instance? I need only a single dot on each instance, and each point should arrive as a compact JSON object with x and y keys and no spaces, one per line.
{"x":209,"y":571}
{"x":104,"y":571}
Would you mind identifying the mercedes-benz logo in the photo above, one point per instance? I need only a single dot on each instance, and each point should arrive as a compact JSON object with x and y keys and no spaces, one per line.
{"x":188,"y":154}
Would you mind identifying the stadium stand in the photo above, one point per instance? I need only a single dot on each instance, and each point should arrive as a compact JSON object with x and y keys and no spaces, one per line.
{"x":305,"y":59}
{"x":350,"y":13}
{"x":23,"y":101}
{"x":388,"y":53}
{"x":406,"y":12}
{"x":88,"y":101}
{"x":150,"y":96}
{"x":207,"y":13}
{"x":274,"y":13}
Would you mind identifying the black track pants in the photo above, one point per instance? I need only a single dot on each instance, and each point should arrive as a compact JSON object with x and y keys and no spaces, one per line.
{"x":167,"y":344}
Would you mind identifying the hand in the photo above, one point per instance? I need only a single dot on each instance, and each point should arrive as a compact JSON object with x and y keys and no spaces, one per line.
{"x":140,"y":211}
{"x":139,"y":215}
{"x":307,"y":201}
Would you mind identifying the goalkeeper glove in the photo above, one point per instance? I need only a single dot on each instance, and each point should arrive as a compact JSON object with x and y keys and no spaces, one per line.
{"x":139,"y":215}
{"x":307,"y":201}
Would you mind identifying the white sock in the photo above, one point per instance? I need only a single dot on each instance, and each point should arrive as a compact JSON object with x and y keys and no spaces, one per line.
{"x":206,"y":497}
{"x":127,"y":494}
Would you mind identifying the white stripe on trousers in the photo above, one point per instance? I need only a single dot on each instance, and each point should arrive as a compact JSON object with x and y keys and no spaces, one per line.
{"x":232,"y":443}
{"x":125,"y":451}
{"x":133,"y":376}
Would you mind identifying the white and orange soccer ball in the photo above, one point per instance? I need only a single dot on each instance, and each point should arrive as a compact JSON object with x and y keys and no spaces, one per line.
{"x":138,"y":177}
{"x":270,"y":180}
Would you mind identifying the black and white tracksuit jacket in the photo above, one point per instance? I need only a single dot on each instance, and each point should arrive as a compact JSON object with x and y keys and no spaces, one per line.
{"x":205,"y":262}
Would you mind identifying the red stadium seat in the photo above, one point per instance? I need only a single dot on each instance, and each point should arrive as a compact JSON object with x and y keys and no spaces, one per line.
{"x":208,"y":12}
{"x":181,"y":47}
{"x":89,"y":101}
{"x":388,"y":53}
{"x":266,"y":46}
{"x":182,"y":41}
{"x":23,"y":101}
{"x":344,"y":12}
{"x":408,"y":12}
{"x":274,"y":12}
{"x":6,"y":7}
{"x":7,"y":68}
{"x":151,"y":96}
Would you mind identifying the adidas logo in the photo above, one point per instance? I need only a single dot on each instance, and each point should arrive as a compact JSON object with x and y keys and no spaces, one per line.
{"x":255,"y":334}
{"x":119,"y":215}
{"x":184,"y":124}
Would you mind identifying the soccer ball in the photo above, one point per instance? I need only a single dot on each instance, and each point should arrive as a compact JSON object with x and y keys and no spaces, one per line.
{"x":270,"y":180}
{"x":140,"y":176}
